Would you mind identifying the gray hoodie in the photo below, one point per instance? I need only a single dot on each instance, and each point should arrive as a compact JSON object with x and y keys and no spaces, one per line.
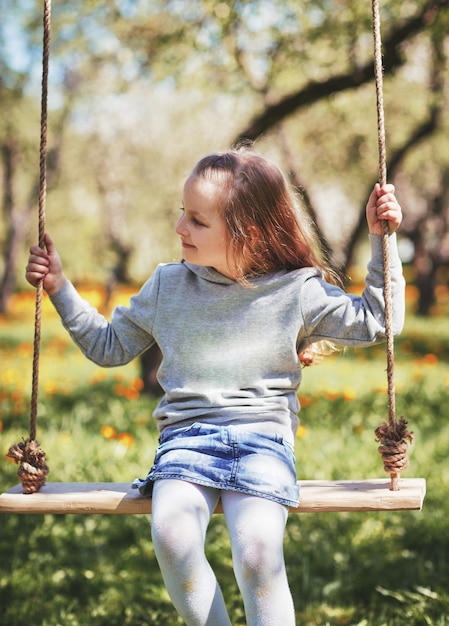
{"x":230,"y":351}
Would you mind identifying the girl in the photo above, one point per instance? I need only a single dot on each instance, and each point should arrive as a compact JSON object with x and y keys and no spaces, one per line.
{"x":250,"y":294}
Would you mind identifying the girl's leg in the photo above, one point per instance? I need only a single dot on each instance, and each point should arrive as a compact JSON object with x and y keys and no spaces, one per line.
{"x":181,"y":513}
{"x":256,"y":527}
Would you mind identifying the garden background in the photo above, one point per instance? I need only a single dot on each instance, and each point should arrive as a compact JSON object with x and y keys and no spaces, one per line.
{"x":138,"y":91}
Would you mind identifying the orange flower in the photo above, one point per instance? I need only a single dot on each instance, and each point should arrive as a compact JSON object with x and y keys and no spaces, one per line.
{"x":16,"y":396}
{"x":137,"y":384}
{"x":126,"y":439}
{"x":108,"y":432}
{"x":120,"y":390}
{"x":25,"y":348}
{"x":331,"y":394}
{"x":430,"y":359}
{"x":305,"y":400}
{"x":132,"y":392}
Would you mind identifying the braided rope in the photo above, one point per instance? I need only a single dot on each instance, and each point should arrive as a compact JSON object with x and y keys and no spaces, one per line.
{"x":41,"y":214}
{"x":392,"y":435}
{"x":28,"y":454}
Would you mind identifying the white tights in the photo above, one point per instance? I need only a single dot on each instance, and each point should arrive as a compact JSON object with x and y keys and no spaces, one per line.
{"x":181,"y":513}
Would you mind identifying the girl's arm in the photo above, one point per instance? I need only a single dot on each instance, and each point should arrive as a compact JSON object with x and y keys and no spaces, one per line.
{"x":100,"y":341}
{"x":330,"y":314}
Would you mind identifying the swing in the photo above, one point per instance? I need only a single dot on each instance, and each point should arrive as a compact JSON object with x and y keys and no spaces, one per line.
{"x":35,"y":496}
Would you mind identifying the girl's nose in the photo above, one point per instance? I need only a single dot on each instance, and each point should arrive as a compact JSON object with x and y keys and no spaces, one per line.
{"x":180,"y":225}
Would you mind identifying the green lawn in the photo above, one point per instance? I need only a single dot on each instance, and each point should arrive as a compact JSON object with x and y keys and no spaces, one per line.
{"x":370,"y":569}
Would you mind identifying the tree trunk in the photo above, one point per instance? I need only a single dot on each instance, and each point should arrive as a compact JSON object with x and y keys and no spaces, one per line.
{"x":149,"y":365}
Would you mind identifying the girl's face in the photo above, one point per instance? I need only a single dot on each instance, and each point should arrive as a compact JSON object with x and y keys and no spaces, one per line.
{"x":202,"y":228}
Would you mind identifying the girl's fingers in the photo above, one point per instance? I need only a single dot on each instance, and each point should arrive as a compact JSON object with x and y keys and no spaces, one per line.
{"x":390,"y":217}
{"x":49,"y":244}
{"x":385,"y":189}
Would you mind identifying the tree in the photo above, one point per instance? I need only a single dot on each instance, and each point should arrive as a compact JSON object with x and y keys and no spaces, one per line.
{"x":296,"y":75}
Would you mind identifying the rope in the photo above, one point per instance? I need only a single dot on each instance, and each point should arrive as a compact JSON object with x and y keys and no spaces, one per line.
{"x":28,"y":454}
{"x":392,"y":435}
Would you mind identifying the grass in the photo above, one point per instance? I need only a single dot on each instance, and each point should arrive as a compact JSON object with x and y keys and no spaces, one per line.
{"x":370,"y":569}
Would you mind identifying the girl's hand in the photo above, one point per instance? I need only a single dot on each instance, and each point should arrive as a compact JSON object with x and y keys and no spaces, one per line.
{"x":45,"y":265}
{"x":382,"y":205}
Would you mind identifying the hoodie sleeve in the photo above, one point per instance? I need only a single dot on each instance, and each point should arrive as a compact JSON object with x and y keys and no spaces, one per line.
{"x":115,"y":342}
{"x":330,"y":313}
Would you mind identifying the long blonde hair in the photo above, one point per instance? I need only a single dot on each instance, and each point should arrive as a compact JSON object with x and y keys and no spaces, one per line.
{"x":267,"y":226}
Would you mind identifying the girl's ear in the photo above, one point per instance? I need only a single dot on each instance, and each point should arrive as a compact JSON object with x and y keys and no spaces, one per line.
{"x":253,"y":234}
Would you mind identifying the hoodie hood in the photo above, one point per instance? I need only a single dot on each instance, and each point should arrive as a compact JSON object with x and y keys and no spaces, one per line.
{"x":209,"y":273}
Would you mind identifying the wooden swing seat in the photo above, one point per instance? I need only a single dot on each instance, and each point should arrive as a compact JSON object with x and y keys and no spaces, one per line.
{"x":119,"y":498}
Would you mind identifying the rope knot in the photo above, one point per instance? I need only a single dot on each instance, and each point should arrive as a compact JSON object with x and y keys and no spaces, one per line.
{"x":33,"y":469}
{"x":394,"y":438}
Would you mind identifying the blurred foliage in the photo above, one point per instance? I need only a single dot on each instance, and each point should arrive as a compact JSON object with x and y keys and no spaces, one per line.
{"x":140,"y":90}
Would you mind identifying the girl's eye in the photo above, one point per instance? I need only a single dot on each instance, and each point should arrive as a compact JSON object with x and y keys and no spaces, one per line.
{"x":194,"y":220}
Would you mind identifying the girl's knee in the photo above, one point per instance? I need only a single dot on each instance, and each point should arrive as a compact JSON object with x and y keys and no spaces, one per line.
{"x":175,"y":538}
{"x":258,"y":562}
{"x":164,"y":536}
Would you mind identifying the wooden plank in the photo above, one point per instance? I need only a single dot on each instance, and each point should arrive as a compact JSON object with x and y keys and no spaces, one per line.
{"x":119,"y":498}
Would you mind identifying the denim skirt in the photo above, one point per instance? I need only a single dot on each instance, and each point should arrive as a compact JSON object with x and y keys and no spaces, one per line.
{"x":226,"y":458}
